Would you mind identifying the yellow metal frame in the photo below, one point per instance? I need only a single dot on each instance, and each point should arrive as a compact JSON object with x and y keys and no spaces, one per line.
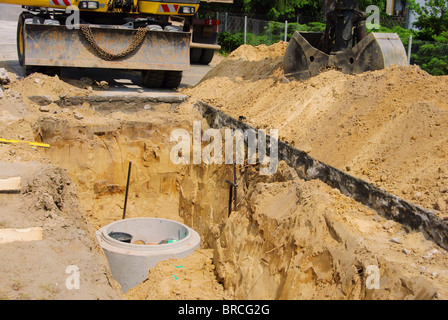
{"x":145,"y":7}
{"x":47,"y":3}
{"x":149,"y":7}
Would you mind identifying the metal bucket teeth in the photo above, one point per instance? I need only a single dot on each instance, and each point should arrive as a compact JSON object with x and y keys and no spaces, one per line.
{"x":376,"y":51}
{"x":302,"y":60}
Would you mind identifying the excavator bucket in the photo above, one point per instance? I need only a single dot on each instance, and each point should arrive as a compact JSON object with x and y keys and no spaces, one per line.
{"x":376,"y":51}
{"x":58,"y":46}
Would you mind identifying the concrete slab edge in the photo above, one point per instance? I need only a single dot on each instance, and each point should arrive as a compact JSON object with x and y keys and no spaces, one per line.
{"x":66,"y":101}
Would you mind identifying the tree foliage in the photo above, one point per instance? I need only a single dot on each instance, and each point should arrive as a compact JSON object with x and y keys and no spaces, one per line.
{"x":280,"y":9}
{"x":272,"y":34}
{"x":432,"y":57}
{"x":381,"y":4}
{"x":432,"y":24}
{"x":432,"y":18}
{"x":430,"y":41}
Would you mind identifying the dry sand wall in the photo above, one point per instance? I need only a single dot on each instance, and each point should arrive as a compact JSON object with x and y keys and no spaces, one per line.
{"x":288,"y":238}
{"x":388,"y":127}
{"x":303,"y":240}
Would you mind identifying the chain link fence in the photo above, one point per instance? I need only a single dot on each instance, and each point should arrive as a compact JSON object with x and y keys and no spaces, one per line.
{"x":252,"y":31}
{"x":236,"y":30}
{"x":257,"y":31}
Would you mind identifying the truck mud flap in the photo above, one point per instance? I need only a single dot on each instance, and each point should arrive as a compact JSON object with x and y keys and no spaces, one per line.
{"x":58,"y":46}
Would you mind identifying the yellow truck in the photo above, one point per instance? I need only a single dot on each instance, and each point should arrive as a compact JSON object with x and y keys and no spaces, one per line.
{"x":154,"y":37}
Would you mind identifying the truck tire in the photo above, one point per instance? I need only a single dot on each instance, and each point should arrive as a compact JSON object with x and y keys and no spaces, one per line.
{"x":195,"y":55}
{"x":21,"y":39}
{"x":51,"y":71}
{"x":153,"y":78}
{"x":207,"y":56}
{"x":172,"y":79}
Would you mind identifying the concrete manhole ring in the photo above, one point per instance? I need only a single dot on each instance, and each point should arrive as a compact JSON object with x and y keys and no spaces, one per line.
{"x":130,"y":262}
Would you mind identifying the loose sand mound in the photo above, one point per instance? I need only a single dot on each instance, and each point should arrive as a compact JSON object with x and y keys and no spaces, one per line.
{"x":191,"y":278}
{"x":388,"y":127}
{"x":289,"y":239}
{"x":244,"y":63}
{"x":37,"y":269}
{"x":304,"y":240}
{"x":40,"y":84}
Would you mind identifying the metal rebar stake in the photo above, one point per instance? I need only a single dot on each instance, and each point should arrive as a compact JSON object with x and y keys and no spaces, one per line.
{"x":234,"y":186}
{"x":232,"y":191}
{"x":127,"y":189}
{"x":230,"y":197}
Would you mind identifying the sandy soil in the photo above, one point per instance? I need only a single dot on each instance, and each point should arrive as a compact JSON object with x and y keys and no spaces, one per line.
{"x":289,"y":238}
{"x":191,"y":278}
{"x":71,"y":195}
{"x":388,"y":127}
{"x":304,"y":240}
{"x":38,"y":269}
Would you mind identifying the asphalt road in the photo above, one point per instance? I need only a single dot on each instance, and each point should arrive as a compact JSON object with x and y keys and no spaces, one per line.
{"x":121,"y":81}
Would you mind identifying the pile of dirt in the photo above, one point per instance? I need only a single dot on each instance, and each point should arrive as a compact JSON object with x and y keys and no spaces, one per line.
{"x":191,"y":278}
{"x":289,"y":238}
{"x":51,"y":86}
{"x":41,"y":269}
{"x":251,"y":63}
{"x":388,"y":127}
{"x":94,"y":151}
{"x":295,"y":239}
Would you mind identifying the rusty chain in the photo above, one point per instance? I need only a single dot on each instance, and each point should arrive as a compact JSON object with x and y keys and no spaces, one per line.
{"x":107,"y":55}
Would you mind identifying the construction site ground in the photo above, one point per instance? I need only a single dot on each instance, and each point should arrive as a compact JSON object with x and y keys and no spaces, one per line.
{"x":288,"y":239}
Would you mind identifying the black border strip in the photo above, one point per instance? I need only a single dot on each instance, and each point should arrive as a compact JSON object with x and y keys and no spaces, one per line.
{"x":362,"y":191}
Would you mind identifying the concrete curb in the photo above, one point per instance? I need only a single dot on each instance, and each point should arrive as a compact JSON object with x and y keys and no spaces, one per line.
{"x":129,"y":263}
{"x":111,"y":101}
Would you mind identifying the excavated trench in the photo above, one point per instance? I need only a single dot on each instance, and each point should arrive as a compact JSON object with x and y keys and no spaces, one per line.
{"x":97,"y":157}
{"x":300,"y":233}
